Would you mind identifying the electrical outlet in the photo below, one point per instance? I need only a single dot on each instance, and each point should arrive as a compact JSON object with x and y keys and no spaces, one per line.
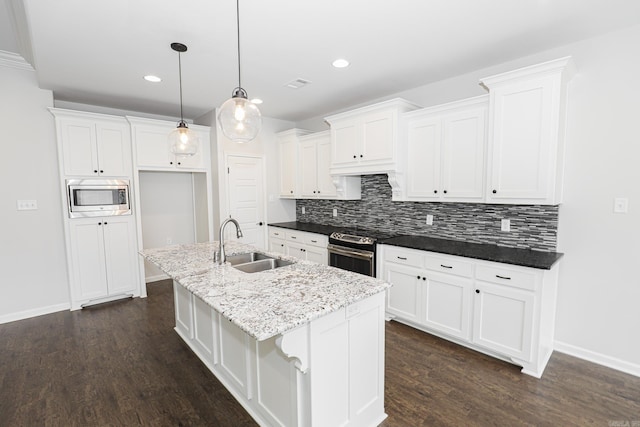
{"x":335,"y":212}
{"x":621,"y":205}
{"x":27,"y":205}
{"x":304,"y":211}
{"x":169,"y":241}
{"x":429,"y":219}
{"x":505,"y":225}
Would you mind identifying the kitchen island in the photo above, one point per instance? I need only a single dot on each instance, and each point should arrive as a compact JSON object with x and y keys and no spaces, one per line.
{"x":299,"y":345}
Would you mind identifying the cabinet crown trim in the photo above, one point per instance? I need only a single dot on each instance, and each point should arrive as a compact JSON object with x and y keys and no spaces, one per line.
{"x":561,"y":65}
{"x":60,"y":113}
{"x":392,"y":103}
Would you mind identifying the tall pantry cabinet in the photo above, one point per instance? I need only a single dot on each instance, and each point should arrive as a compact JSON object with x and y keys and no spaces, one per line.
{"x":101,"y":251}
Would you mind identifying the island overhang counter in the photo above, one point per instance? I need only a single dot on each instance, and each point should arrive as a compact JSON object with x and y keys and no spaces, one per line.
{"x":301,"y":345}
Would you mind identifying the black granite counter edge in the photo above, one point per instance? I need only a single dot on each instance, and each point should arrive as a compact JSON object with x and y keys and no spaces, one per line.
{"x":485,"y":252}
{"x":521,"y":257}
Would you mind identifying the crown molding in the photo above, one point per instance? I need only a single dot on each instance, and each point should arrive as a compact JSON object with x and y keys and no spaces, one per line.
{"x":13,"y":60}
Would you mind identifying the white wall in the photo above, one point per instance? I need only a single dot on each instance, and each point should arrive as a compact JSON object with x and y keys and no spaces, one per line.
{"x":598,"y":314}
{"x":166,"y":213}
{"x":32,"y":251}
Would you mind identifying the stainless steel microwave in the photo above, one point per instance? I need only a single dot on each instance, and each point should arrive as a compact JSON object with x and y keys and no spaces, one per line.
{"x":98,"y":197}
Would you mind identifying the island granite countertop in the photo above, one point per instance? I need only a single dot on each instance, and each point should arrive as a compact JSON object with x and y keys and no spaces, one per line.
{"x":267,"y":303}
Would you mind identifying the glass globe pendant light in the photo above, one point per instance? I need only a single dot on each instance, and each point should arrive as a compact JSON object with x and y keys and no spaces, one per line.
{"x":183,"y":142}
{"x":239,"y":118}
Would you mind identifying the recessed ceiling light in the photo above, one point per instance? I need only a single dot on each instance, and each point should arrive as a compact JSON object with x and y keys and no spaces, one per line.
{"x":340,"y":63}
{"x":256,"y":101}
{"x":152,"y":79}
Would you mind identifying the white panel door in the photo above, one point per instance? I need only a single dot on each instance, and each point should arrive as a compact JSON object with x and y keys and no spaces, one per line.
{"x":377,"y":137}
{"x":423,"y":158}
{"x":79,"y":148}
{"x":345,"y":143}
{"x":323,"y":155}
{"x":463,"y":155}
{"x":120,"y":254}
{"x":245,"y":190}
{"x":87,"y":248}
{"x":114,"y":149}
{"x":447,"y":304}
{"x":152,"y":147}
{"x":404,"y":295}
{"x":308,"y":176}
{"x":288,"y":167}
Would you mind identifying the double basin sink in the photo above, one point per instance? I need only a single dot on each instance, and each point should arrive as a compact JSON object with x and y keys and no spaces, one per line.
{"x":254,"y":262}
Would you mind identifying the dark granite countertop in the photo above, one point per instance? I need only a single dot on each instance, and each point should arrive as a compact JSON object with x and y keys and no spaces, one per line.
{"x":486,"y":252}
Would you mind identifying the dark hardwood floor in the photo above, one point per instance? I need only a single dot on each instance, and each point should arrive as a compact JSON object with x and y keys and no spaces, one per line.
{"x":121,"y":364}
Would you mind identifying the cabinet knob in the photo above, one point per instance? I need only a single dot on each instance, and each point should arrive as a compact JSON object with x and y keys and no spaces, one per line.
{"x":361,"y":156}
{"x":170,"y":163}
{"x":494,"y":191}
{"x":445,"y":191}
{"x":291,"y":191}
{"x":418,"y":277}
{"x":435,"y":191}
{"x":314,"y":191}
{"x":99,"y":223}
{"x":105,"y":223}
{"x":260,"y":224}
{"x":477,"y":291}
{"x":318,"y":191}
{"x":95,"y":171}
{"x":101,"y":171}
{"x":179,"y":163}
{"x":354,"y":156}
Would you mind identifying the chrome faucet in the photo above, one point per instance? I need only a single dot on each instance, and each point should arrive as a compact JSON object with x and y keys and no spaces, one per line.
{"x":223,"y":258}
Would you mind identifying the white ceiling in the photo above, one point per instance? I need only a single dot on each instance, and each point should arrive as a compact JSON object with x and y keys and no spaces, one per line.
{"x":96,"y":52}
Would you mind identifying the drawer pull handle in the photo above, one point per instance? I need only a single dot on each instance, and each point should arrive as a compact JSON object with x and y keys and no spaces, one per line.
{"x":314,"y":241}
{"x":402,"y":258}
{"x":445,"y":266}
{"x":503,"y":277}
{"x":293,"y":237}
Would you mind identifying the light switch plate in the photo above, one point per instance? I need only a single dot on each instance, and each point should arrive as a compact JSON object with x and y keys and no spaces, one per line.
{"x":621,"y":205}
{"x":429,"y":219}
{"x":27,"y":205}
{"x":335,"y":212}
{"x":505,"y":225}
{"x":304,"y":211}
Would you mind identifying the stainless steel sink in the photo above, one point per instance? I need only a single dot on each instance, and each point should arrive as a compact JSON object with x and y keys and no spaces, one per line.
{"x":245,"y":258}
{"x":267,"y":263}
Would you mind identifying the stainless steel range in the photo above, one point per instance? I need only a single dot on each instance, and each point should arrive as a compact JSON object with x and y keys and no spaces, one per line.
{"x":354,"y":250}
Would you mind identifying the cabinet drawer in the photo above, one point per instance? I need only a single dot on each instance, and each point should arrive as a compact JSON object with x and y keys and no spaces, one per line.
{"x":403,"y":256}
{"x":276,"y":233}
{"x":449,"y":265}
{"x":318,"y":240}
{"x":507,"y":276}
{"x":294,"y":236}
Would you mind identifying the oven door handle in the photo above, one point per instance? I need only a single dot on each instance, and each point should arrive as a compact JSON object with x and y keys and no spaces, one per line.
{"x":346,"y":251}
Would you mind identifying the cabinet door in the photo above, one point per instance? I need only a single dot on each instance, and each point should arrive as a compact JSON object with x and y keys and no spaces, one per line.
{"x":80,"y":154}
{"x":114,"y":149}
{"x":346,"y":143}
{"x":423,"y":158}
{"x":503,"y":319}
{"x":447,"y":304}
{"x":197,"y":161}
{"x":277,"y":246}
{"x":120,"y":254}
{"x":308,"y":169}
{"x":522,"y":136}
{"x":318,"y":255}
{"x":297,"y":250}
{"x":87,"y":249}
{"x":288,"y":167}
{"x":404,"y":295}
{"x":463,"y":151}
{"x":323,"y":156}
{"x":152,"y":147}
{"x":377,"y":137}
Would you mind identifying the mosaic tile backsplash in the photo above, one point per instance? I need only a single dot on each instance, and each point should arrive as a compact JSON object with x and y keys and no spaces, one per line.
{"x":532,"y":226}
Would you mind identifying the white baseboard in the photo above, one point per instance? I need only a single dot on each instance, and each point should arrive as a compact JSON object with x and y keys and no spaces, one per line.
{"x":155,"y":278}
{"x":21,"y":315}
{"x":600,"y":359}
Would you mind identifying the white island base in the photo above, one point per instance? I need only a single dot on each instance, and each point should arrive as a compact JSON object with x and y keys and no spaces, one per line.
{"x":328,"y":372}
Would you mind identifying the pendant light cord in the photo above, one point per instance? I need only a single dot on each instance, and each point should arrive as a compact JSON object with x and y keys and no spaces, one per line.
{"x":180,"y":75}
{"x":238,"y":28}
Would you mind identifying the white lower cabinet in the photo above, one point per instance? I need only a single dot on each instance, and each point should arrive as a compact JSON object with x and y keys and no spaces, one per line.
{"x":502,"y":310}
{"x":324,"y":373}
{"x":299,"y":244}
{"x":102,"y":259}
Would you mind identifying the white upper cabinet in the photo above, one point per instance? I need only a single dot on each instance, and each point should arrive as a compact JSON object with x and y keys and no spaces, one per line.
{"x":314,"y":174}
{"x":446,"y":151}
{"x":365,"y":140}
{"x":526,"y":133}
{"x":288,"y":144}
{"x":93,"y":144}
{"x":151,"y":146}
